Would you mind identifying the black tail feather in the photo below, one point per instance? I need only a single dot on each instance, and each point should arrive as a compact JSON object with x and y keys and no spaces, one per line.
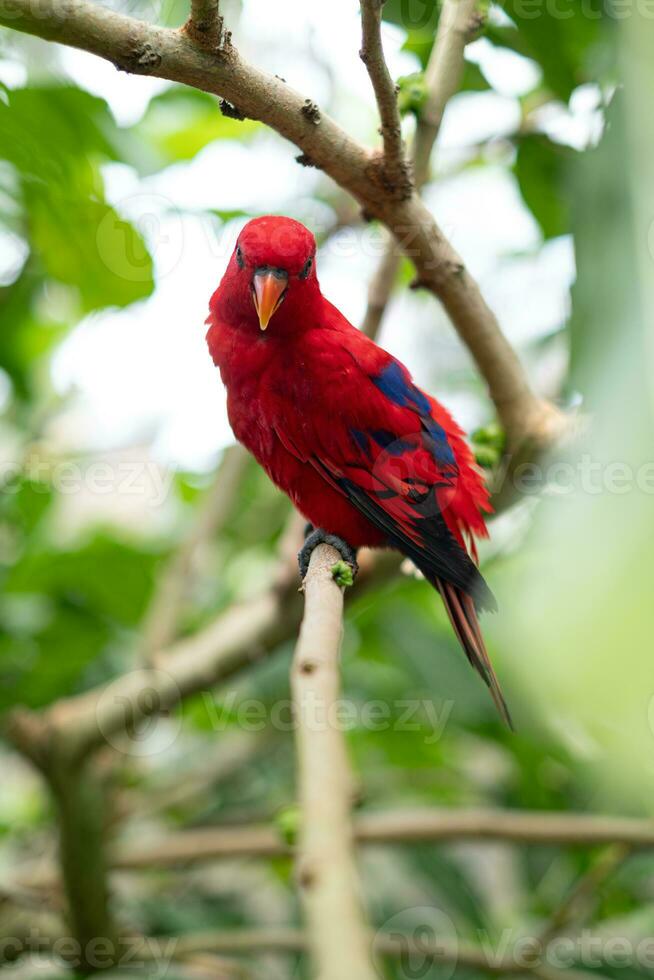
{"x":463,"y":617}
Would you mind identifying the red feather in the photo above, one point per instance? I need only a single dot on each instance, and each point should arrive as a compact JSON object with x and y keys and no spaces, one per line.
{"x":339,"y":426}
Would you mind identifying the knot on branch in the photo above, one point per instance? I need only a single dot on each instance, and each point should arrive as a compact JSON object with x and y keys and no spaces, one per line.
{"x":311,"y":111}
{"x":440,"y":274}
{"x":142,"y":59}
{"x":209,"y":34}
{"x":30,"y":734}
{"x":307,"y":877}
{"x":230,"y":110}
{"x":475,"y":26}
{"x":305,"y":160}
{"x":206,"y":28}
{"x":393,"y":178}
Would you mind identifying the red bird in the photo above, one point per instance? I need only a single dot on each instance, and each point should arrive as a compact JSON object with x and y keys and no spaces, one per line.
{"x":338,"y":424}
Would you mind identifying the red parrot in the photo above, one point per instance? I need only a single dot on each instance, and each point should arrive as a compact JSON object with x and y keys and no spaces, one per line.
{"x":338,"y":424}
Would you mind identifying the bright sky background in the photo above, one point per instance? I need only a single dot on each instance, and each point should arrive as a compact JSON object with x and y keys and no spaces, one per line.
{"x":144,"y":374}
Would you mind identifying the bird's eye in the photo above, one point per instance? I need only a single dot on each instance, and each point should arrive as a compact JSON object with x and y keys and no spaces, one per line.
{"x":306,"y":269}
{"x":240,"y":261}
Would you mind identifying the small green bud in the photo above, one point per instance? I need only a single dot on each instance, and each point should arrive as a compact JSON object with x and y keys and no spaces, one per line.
{"x":486,"y":456}
{"x":342,"y":574}
{"x":488,"y":444}
{"x":412,"y":93}
{"x":288,"y":824}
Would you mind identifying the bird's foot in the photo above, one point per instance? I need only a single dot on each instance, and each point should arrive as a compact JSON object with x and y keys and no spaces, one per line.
{"x":315,"y":536}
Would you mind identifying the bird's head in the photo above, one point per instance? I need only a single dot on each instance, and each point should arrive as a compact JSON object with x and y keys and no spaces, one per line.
{"x":273,"y":267}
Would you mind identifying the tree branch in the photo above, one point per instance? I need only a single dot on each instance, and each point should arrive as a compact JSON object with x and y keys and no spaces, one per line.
{"x":141,"y":48}
{"x":429,"y":948}
{"x":398,"y":173}
{"x":584,"y":895}
{"x":381,"y":287}
{"x":458,"y":23}
{"x":432,"y":825}
{"x":338,"y":936}
{"x":205,"y":25}
{"x":245,"y":633}
{"x":442,"y":79}
{"x":162,"y":617}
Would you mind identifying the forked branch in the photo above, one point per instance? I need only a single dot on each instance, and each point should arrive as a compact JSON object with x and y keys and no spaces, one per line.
{"x":397,"y":172}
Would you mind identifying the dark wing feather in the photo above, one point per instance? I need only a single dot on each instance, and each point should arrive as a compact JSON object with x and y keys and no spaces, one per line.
{"x":421,"y":532}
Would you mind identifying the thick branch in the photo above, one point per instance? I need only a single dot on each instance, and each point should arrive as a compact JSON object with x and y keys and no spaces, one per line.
{"x":80,"y":798}
{"x":338,"y":936}
{"x":372,"y":55}
{"x":140,"y":48}
{"x":244,"y":633}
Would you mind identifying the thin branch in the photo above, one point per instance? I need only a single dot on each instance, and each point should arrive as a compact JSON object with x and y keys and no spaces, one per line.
{"x":457,"y":21}
{"x":234,"y":751}
{"x":162,"y":617}
{"x":205,"y":25}
{"x":583,"y":896}
{"x":339,"y":938}
{"x":381,"y":287}
{"x":431,"y":949}
{"x":372,"y":55}
{"x":432,"y":825}
{"x":141,"y":48}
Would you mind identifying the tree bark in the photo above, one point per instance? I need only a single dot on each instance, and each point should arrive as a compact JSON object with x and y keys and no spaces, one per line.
{"x":339,"y":940}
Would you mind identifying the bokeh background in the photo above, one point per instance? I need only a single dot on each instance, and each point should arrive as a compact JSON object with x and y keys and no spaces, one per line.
{"x":120,"y":202}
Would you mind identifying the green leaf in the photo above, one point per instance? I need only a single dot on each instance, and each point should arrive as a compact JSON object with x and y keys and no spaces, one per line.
{"x":561,"y":39}
{"x":412,"y":93}
{"x":105,"y":577}
{"x":415,"y":16}
{"x":57,"y":134}
{"x":29,"y":327}
{"x":288,"y":822}
{"x":420,"y":44}
{"x":56,"y":138}
{"x":564,"y":40}
{"x":182,"y":121}
{"x":542,"y":169}
{"x":85,"y":244}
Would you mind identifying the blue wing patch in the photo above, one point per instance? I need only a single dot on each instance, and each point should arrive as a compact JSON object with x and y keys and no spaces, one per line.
{"x":392,"y":383}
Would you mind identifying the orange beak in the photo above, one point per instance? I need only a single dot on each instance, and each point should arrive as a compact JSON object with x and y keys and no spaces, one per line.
{"x":269,"y":288}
